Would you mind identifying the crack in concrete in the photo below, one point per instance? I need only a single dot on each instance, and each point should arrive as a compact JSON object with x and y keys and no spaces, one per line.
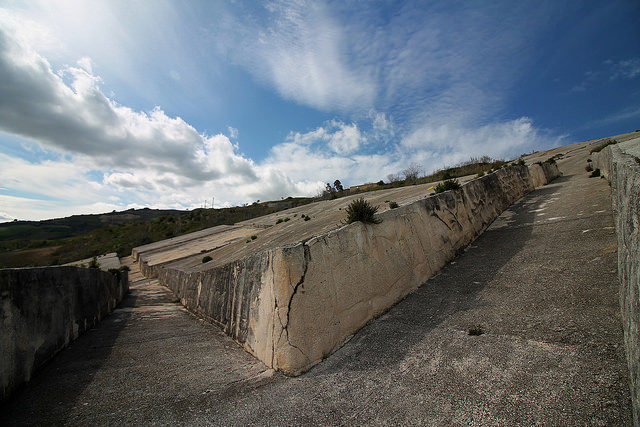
{"x":435,"y":215}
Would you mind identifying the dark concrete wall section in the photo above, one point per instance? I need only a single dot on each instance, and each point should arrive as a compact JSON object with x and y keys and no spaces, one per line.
{"x":43,"y":309}
{"x":618,"y":162}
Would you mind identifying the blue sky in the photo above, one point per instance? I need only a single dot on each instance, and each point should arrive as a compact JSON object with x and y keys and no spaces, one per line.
{"x":111,"y":104}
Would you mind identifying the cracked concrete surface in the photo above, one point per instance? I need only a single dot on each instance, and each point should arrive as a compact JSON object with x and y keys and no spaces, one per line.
{"x":544,"y":293}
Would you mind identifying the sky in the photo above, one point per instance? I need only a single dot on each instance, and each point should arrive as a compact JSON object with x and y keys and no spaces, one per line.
{"x":111,"y":105}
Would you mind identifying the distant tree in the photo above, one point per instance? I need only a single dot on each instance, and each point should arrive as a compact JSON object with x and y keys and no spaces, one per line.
{"x":412,"y":172}
{"x":393,"y":178}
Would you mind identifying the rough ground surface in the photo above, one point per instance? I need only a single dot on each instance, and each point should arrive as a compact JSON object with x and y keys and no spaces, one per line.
{"x":540,"y":283}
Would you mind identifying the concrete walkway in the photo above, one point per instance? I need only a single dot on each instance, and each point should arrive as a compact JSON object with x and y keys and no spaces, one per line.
{"x":540,"y":284}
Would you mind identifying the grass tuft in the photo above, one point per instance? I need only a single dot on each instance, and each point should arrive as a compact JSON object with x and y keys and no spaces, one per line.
{"x":361,"y":210}
{"x":450,"y":184}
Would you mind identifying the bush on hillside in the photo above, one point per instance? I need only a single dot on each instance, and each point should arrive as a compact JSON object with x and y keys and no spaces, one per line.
{"x":361,"y":210}
{"x":450,"y":184}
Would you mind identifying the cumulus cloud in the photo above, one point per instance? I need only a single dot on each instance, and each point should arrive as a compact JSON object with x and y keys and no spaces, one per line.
{"x":36,"y":103}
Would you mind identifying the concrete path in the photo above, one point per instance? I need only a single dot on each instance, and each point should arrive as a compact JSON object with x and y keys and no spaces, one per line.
{"x":540,"y":284}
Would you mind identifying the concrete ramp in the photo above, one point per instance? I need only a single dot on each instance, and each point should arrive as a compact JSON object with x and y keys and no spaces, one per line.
{"x":292,"y":290}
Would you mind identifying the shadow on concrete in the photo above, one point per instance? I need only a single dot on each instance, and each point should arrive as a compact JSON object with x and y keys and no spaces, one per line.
{"x":59,"y":384}
{"x":386,"y":340}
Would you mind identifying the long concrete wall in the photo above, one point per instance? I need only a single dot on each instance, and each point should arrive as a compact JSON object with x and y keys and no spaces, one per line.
{"x":618,"y":163}
{"x":45,"y":308}
{"x":292,"y":306}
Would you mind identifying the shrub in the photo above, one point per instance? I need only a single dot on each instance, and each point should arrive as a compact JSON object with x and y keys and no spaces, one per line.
{"x":588,"y":160}
{"x":393,"y":205}
{"x":287,"y":219}
{"x":595,"y":173}
{"x":94,"y":263}
{"x":361,"y":210}
{"x":380,"y":183}
{"x":520,"y":162}
{"x":306,"y":217}
{"x":481,"y":173}
{"x":279,"y":221}
{"x":125,"y":268}
{"x":254,"y":237}
{"x":551,"y":161}
{"x":450,"y":184}
{"x":206,"y":259}
{"x":115,"y":272}
{"x":588,"y":168}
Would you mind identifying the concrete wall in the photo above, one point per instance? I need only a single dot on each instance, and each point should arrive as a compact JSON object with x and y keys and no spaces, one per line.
{"x":543,"y":173}
{"x":618,"y":162}
{"x":43,"y":309}
{"x":292,"y":306}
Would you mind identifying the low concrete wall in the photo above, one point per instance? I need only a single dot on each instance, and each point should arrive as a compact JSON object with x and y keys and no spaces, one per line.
{"x":618,"y":163}
{"x":543,"y":173}
{"x":292,"y":306}
{"x":45,"y":308}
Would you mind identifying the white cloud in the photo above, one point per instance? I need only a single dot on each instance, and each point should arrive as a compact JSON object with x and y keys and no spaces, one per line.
{"x":233,"y":132}
{"x":627,"y":69}
{"x":302,"y":52}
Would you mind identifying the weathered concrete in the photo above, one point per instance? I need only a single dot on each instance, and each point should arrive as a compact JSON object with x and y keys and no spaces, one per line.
{"x":543,"y":173}
{"x":288,"y":306}
{"x":45,"y":308}
{"x":541,"y":282}
{"x":105,"y":262}
{"x":620,"y":163}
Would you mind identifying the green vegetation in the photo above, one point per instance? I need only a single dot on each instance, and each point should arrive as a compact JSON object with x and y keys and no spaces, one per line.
{"x":449,"y":184}
{"x":473,"y":166}
{"x":306,"y":217}
{"x":361,"y":210}
{"x":287,"y":219}
{"x":393,"y":205}
{"x":595,"y":173}
{"x":480,"y":174}
{"x":602,"y":145}
{"x":206,"y":259}
{"x":254,"y":237}
{"x":59,"y":241}
{"x":94,"y":263}
{"x":279,"y":221}
{"x":118,"y":271}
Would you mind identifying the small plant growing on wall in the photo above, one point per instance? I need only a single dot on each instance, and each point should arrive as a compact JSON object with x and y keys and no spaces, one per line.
{"x":94,"y":263}
{"x":595,"y":173}
{"x":206,"y":259}
{"x":450,"y":184}
{"x":361,"y":210}
{"x":393,"y":205}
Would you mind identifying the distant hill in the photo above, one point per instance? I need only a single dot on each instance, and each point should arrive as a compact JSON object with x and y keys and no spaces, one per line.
{"x":62,"y":240}
{"x":59,"y":228}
